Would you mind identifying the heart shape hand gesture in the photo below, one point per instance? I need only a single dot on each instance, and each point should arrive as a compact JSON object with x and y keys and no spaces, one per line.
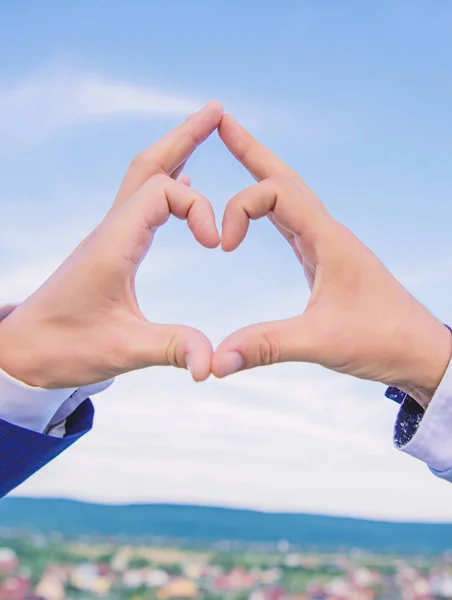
{"x":84,"y":324}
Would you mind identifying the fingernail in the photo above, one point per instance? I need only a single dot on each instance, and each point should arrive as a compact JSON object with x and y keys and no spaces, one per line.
{"x":231,"y":363}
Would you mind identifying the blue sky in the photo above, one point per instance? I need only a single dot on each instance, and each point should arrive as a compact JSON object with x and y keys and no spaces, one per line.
{"x":356,"y":96}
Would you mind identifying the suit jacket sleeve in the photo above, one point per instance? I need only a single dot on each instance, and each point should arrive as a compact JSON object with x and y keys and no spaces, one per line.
{"x":23,"y":452}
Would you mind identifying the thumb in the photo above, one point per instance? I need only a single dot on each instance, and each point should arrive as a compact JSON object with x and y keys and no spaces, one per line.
{"x":265,"y":344}
{"x":154,"y":344}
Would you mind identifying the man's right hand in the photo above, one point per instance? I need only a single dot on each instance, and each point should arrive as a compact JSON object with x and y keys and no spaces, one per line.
{"x":360,"y":320}
{"x":83,"y":325}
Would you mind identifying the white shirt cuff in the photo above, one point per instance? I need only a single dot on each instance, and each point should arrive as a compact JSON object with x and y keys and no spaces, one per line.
{"x":29,"y":407}
{"x":72,"y":402}
{"x":432,"y":440}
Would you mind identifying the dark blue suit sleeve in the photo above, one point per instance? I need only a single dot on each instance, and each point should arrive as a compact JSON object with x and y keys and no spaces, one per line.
{"x":23,"y":452}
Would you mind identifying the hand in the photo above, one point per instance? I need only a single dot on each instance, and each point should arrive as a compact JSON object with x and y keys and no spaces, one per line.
{"x":84,"y":324}
{"x":359,"y":320}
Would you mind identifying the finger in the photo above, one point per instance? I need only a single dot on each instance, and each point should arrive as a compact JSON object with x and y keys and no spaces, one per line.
{"x":254,"y":156}
{"x":289,"y":206}
{"x":170,"y":152}
{"x":132,"y":228}
{"x":265,"y":344}
{"x":184,"y":179}
{"x":184,"y":203}
{"x":163,"y":345}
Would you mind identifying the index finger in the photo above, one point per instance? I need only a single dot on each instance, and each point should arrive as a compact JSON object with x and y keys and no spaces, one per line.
{"x":259,"y":160}
{"x":280,"y":197}
{"x":170,"y":151}
{"x":254,"y":156}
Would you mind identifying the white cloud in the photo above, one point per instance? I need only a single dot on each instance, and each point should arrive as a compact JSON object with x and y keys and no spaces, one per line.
{"x":46,"y":103}
{"x":52,"y":100}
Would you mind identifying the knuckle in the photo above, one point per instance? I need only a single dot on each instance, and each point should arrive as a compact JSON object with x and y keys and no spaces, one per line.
{"x":173,"y":357}
{"x":160,"y":179}
{"x":269,"y":350}
{"x":195,"y":140}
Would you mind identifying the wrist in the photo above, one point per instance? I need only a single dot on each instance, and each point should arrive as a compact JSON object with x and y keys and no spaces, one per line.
{"x":23,"y":353}
{"x":429,"y":354}
{"x":18,"y":366}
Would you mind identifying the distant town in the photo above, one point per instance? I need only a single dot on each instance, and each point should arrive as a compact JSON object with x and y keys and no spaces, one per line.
{"x":52,"y":567}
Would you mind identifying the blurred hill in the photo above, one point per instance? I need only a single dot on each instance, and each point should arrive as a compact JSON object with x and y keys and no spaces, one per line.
{"x":212,"y":524}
